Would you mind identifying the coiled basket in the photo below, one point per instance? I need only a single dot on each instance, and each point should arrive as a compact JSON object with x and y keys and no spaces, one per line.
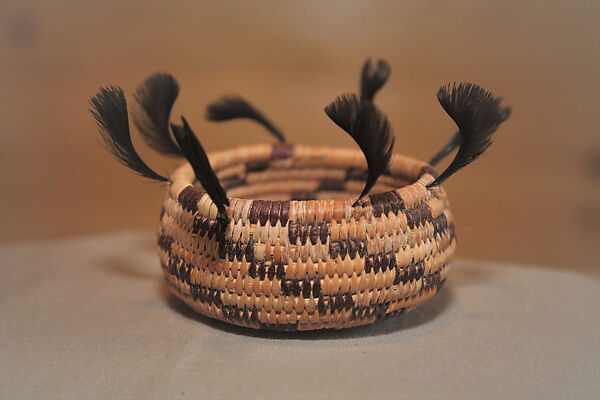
{"x":292,"y":253}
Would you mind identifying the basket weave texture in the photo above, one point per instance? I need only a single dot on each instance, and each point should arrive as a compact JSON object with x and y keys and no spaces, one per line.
{"x":302,"y":257}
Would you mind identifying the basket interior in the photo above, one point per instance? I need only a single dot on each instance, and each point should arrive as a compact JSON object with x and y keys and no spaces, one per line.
{"x":310,"y":176}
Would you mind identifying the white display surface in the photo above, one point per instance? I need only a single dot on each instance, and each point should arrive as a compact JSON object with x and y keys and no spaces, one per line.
{"x":91,"y":318}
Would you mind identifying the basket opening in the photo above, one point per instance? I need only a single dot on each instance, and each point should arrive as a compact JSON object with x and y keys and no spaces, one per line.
{"x":303,"y":178}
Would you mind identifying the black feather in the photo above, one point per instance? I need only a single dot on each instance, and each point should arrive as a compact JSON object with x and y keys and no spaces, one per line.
{"x":155,"y":98}
{"x":373,"y":79}
{"x":370,"y":129}
{"x":195,"y":154}
{"x":478,"y":114}
{"x":229,"y":108}
{"x":454,"y":141}
{"x":109,"y":108}
{"x":448,"y":148}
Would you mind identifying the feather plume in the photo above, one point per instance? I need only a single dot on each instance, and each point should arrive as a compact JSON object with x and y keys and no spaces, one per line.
{"x":229,"y":108}
{"x":454,"y":141}
{"x":109,"y":108}
{"x":478,"y":114}
{"x":370,"y":129}
{"x":155,"y":97}
{"x":373,"y":79}
{"x":195,"y":154}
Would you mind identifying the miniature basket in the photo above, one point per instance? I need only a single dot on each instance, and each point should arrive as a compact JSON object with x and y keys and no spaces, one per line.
{"x":302,"y":257}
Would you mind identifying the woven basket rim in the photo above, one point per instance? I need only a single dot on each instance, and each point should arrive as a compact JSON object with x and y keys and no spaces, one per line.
{"x":419,"y":172}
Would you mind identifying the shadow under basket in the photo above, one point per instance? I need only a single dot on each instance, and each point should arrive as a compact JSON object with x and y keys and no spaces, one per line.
{"x":302,"y":257}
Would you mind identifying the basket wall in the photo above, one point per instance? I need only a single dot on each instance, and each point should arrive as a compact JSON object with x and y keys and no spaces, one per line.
{"x":308,"y":260}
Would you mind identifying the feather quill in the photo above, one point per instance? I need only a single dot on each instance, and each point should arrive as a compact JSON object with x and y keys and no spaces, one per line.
{"x":372,"y":79}
{"x":229,"y":108}
{"x":448,"y":148}
{"x":109,"y":109}
{"x":195,"y":154}
{"x":370,"y":129}
{"x":155,"y":98}
{"x":478,"y":114}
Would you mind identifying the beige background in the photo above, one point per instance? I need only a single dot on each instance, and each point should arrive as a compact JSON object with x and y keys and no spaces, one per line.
{"x":534,"y":197}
